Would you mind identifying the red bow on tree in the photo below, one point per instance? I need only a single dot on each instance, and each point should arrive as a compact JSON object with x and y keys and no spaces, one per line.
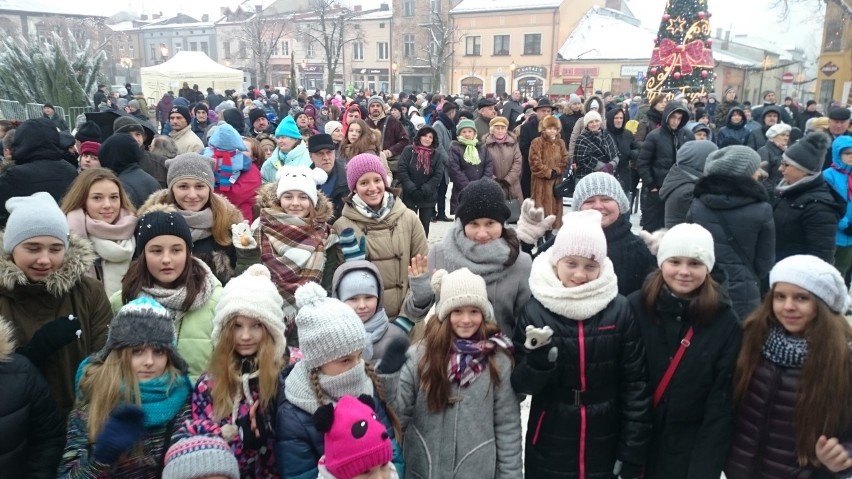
{"x":693,"y":54}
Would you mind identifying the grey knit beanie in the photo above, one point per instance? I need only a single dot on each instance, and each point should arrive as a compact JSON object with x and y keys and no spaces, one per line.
{"x":201,"y":455}
{"x":375,"y":99}
{"x":328,"y":328}
{"x":126,"y":124}
{"x":815,"y":275}
{"x":600,"y":184}
{"x":736,"y":160}
{"x":143,"y":322}
{"x":190,"y":166}
{"x":23,"y":224}
{"x":808,"y":153}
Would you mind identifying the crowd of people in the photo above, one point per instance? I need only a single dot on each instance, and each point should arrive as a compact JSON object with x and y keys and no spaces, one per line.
{"x":242,"y":287}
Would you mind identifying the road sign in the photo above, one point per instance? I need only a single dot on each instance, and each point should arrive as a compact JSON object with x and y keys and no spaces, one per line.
{"x":788,"y":77}
{"x":829,"y":69}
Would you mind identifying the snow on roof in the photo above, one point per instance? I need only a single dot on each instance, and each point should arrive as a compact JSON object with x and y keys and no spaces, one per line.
{"x":375,"y":15}
{"x":605,"y":34}
{"x":769,"y":46}
{"x":80,"y":9}
{"x":721,"y":56}
{"x":484,"y":6}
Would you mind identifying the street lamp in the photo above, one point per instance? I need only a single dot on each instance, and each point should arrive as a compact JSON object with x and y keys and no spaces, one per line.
{"x":394,"y":66}
{"x":512,"y":68}
{"x":766,"y":63}
{"x":164,"y":51}
{"x":126,"y":63}
{"x":304,"y":74}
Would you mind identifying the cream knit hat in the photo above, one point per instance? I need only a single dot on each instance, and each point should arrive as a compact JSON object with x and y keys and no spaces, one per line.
{"x":328,"y":328}
{"x":815,"y":275}
{"x":460,"y":288}
{"x":688,"y":240}
{"x":581,"y":235}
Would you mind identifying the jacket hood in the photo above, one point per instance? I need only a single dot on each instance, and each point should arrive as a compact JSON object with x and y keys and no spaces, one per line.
{"x":587,"y":105}
{"x":610,"y":127}
{"x":267,"y":198}
{"x":678,"y":176}
{"x":79,"y":257}
{"x":694,"y":153}
{"x":36,"y":139}
{"x":840,"y":143}
{"x":7,"y":339}
{"x":769,"y":108}
{"x":348,"y":266}
{"x":226,"y":138}
{"x":119,"y":152}
{"x":728,"y":118}
{"x":670,"y":109}
{"x":422,"y":131}
{"x":727,"y":192}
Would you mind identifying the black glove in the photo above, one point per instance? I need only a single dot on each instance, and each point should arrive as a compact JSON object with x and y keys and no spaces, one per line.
{"x":394,"y":356}
{"x":51,"y":337}
{"x":542,"y":359}
{"x":250,"y":440}
{"x":426,"y":190}
{"x":125,"y":426}
{"x":555,"y":175}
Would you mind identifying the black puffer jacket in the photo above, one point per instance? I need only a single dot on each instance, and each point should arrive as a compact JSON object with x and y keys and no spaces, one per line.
{"x":659,"y":150}
{"x":731,"y":133}
{"x":764,"y":442}
{"x":694,"y":421}
{"x":627,"y":147}
{"x":420,"y":189}
{"x":806,"y":217}
{"x":38,"y":165}
{"x":742,"y":203}
{"x":757,"y":138}
{"x":770,"y":160}
{"x":614,"y":411}
{"x":33,"y":430}
{"x":631,"y":259}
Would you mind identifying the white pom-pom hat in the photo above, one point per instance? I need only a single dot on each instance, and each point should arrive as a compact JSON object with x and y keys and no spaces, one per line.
{"x":300,"y":178}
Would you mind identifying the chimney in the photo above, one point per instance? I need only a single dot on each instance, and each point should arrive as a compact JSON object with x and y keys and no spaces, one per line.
{"x":223,"y":10}
{"x":384,"y":7}
{"x":144,"y":16}
{"x":155,"y":16}
{"x":357,"y":8}
{"x":719,"y":33}
{"x":205,"y":18}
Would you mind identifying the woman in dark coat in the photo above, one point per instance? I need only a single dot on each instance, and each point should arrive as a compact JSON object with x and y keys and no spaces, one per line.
{"x":595,"y":150}
{"x":628,"y":149}
{"x":469,"y":161}
{"x":807,"y":209}
{"x":420,"y":170}
{"x":770,"y":157}
{"x":693,"y":415}
{"x":733,"y":206}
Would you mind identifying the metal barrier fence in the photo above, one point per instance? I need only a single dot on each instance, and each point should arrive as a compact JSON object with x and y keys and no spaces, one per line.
{"x":13,"y":110}
{"x":74,"y":112}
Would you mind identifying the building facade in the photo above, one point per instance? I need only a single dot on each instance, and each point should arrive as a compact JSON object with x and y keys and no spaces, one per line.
{"x":834,"y":67}
{"x":163,"y":38}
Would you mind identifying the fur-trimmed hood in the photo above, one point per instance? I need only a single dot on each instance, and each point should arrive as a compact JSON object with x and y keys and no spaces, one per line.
{"x":587,"y":105}
{"x":7,"y":339}
{"x":159,"y":201}
{"x":726,"y":192}
{"x":79,"y":257}
{"x":267,"y":198}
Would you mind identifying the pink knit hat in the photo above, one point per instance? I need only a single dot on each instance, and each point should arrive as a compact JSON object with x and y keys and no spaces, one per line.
{"x":355,"y":441}
{"x":581,"y":235}
{"x":362,"y":164}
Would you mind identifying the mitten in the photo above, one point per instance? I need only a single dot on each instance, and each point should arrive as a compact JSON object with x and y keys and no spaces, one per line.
{"x":50,"y":337}
{"x":533,"y":224}
{"x":394,"y":356}
{"x":125,"y":426}
{"x":241,"y":236}
{"x":627,"y":470}
{"x":608,"y":168}
{"x":353,"y":248}
{"x":539,"y":357}
{"x":250,"y":440}
{"x":427,"y":190}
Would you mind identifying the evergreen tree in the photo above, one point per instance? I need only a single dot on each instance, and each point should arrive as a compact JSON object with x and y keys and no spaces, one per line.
{"x":682,"y":61}
{"x":293,"y":90}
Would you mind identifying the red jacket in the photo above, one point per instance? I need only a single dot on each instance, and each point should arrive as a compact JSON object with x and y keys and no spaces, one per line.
{"x":243,"y":193}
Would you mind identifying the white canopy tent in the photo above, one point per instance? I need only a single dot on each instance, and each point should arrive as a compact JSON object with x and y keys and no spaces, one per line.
{"x":190,"y":67}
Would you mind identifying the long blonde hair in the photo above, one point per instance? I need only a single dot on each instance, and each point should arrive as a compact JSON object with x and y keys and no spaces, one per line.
{"x":78,"y":192}
{"x":225,"y":372}
{"x":104,"y":385}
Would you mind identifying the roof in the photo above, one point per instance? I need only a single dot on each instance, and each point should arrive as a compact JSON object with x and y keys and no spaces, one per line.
{"x":596,"y":33}
{"x":486,"y":6}
{"x":728,"y":58}
{"x":80,"y":9}
{"x":375,"y":15}
{"x":769,"y":46}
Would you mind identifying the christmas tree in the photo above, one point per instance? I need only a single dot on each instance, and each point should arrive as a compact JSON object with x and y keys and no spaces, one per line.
{"x":682,"y":61}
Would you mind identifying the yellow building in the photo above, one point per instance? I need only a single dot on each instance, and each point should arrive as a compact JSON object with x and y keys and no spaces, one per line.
{"x":834,"y":67}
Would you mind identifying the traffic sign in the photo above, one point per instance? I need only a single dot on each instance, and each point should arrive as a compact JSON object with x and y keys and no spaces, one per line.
{"x":788,"y":77}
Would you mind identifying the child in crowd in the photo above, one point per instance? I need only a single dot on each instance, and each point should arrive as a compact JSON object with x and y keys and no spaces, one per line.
{"x":132,"y":396}
{"x":457,"y":408}
{"x":580,"y":355}
{"x":204,"y":455}
{"x":89,"y":155}
{"x":469,"y":161}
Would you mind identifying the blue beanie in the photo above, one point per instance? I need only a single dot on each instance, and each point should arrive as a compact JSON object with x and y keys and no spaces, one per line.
{"x":288,"y":128}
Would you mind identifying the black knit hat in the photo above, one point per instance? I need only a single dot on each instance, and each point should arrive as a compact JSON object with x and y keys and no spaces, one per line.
{"x":256,"y":113}
{"x":808,"y":153}
{"x":89,"y":131}
{"x":182,"y":111}
{"x":483,"y":198}
{"x":160,"y":223}
{"x":233,"y":117}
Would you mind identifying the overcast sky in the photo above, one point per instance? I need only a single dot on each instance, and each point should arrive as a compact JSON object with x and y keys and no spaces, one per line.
{"x":753,"y":17}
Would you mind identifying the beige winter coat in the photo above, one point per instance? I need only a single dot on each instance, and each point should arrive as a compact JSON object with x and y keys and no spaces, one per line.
{"x":506,"y":161}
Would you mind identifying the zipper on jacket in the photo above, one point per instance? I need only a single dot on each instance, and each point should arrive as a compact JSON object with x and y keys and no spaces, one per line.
{"x":582,"y":343}
{"x":774,"y":384}
{"x":538,"y":426}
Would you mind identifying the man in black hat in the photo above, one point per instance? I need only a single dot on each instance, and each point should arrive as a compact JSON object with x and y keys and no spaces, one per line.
{"x":838,"y":125}
{"x":323,"y":153}
{"x":485,"y":112}
{"x":529,"y":132}
{"x":151,"y":163}
{"x":200,"y":123}
{"x":259,"y":123}
{"x":187,"y":141}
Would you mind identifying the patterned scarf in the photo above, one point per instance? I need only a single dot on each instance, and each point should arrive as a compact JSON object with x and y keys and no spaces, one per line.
{"x":783,"y":349}
{"x":847,"y":172}
{"x":470,"y":357}
{"x":293,"y":251}
{"x":471,"y":154}
{"x":381,"y":213}
{"x":424,"y":158}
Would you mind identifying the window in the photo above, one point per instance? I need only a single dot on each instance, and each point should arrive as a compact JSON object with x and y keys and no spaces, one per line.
{"x":242,"y":49}
{"x":179,"y":47}
{"x":154,"y":55}
{"x":383,"y":52}
{"x":274,"y":49}
{"x":204,"y":48}
{"x":285,"y":48}
{"x":833,"y":35}
{"x":501,"y":44}
{"x":132,"y":53}
{"x":310,"y":52}
{"x":532,"y":44}
{"x":226,"y":49}
{"x":357,"y":51}
{"x":193,"y":46}
{"x":435,"y":6}
{"x":408,"y":8}
{"x":408,"y":45}
{"x":472,"y":46}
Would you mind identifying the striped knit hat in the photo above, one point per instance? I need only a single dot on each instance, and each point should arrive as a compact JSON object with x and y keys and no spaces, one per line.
{"x":200,"y":456}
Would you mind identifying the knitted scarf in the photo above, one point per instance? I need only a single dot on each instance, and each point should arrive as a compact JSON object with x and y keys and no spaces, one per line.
{"x":847,"y":172}
{"x":225,"y":173}
{"x":297,"y":386}
{"x":424,"y":158}
{"x":173,"y":298}
{"x":366,"y":211}
{"x":783,"y":349}
{"x":376,"y":328}
{"x":578,"y":303}
{"x":200,"y":223}
{"x":470,"y":357}
{"x":163,"y":398}
{"x":471,"y":154}
{"x":486,"y":260}
{"x":81,"y":224}
{"x":293,"y":250}
{"x":113,"y":243}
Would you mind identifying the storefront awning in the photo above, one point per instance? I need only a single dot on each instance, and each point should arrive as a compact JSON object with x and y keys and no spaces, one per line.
{"x":560,"y":89}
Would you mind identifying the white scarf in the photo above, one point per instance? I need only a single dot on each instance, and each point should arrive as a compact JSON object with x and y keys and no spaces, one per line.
{"x":578,"y":303}
{"x":115,"y":260}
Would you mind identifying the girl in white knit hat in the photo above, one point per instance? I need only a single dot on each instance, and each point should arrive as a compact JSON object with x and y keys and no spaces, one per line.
{"x":684,"y":312}
{"x":793,"y":378}
{"x":459,"y":413}
{"x":237,"y":394}
{"x":580,"y":356}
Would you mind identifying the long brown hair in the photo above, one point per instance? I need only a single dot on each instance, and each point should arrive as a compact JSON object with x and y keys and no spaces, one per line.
{"x":225,"y":368}
{"x":366,"y":143}
{"x":78,"y":192}
{"x":104,"y":385}
{"x":255,"y":151}
{"x":224,"y":215}
{"x":825,"y":383}
{"x":437,"y":347}
{"x":702,"y":307}
{"x":138,"y":277}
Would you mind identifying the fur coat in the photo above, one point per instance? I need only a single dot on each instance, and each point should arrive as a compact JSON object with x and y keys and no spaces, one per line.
{"x":548,"y":159}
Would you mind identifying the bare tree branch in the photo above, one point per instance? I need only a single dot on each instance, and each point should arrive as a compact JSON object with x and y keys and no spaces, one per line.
{"x":783,"y":6}
{"x":261,"y":34}
{"x":440,"y":47}
{"x":332,"y":29}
